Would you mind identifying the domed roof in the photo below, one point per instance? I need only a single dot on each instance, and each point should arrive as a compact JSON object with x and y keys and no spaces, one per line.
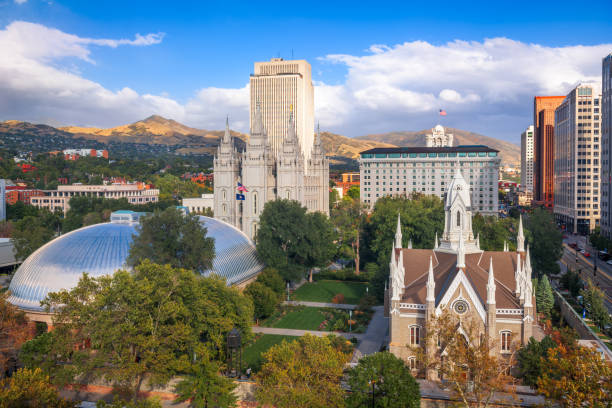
{"x":101,"y":249}
{"x":439,"y":129}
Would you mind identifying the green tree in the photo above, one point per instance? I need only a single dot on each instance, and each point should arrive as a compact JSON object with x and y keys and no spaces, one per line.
{"x":30,"y":388}
{"x":121,"y":403}
{"x":531,"y":357}
{"x":348,"y":217}
{"x":293,"y":241}
{"x":32,"y":232}
{"x":546,"y":242}
{"x":204,"y":387}
{"x":421,"y":215}
{"x":545,"y":299}
{"x":353,"y":193}
{"x":172,"y":187}
{"x":145,"y":324}
{"x":394,"y":385}
{"x":594,"y":304}
{"x":494,"y":231}
{"x":271,"y":278}
{"x":572,"y":282}
{"x":264,"y":299}
{"x":304,"y":373}
{"x":170,"y":237}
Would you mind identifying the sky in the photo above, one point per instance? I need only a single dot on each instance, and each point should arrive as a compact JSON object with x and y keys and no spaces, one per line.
{"x":377,"y":66}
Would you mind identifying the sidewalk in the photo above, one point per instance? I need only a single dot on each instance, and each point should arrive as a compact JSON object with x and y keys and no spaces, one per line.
{"x":320,"y":304}
{"x":299,"y":333}
{"x":374,"y":336}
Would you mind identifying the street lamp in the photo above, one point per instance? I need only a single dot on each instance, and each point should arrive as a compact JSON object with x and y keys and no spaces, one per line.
{"x":350,"y":321}
{"x":287,"y":291}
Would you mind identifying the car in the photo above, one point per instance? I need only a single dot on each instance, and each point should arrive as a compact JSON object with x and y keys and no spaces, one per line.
{"x":564,"y":236}
{"x":573,"y":245}
{"x":586,"y":254}
{"x":609,"y":262}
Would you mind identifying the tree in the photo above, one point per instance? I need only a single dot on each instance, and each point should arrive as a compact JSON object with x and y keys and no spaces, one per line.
{"x":545,"y":299}
{"x":353,"y":193}
{"x":271,"y":278}
{"x":264,"y":299}
{"x":394,"y":386}
{"x":146,"y":324}
{"x":304,"y":373}
{"x":170,"y":237}
{"x":293,"y":241}
{"x":30,"y":388}
{"x":421,"y":215}
{"x":546,"y":242}
{"x":576,"y":377}
{"x":465,"y":359}
{"x":348,"y":218}
{"x":531,"y":359}
{"x":32,"y":232}
{"x":572,"y":282}
{"x":13,"y":330}
{"x":494,"y":232}
{"x":594,"y":304}
{"x":121,"y":403}
{"x":205,"y":388}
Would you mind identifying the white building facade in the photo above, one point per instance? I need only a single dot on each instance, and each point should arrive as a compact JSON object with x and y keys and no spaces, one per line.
{"x":199,"y":205}
{"x":527,"y":160}
{"x":605,"y":113}
{"x":402,"y":171}
{"x":577,"y":160}
{"x":279,"y":87}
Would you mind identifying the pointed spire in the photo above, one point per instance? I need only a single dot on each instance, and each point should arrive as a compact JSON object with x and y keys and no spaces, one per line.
{"x":291,"y":135}
{"x":431,"y":284}
{"x":436,"y":241}
{"x":461,"y":253}
{"x":520,"y":239}
{"x":491,"y":284}
{"x":505,"y":246}
{"x":398,"y":232}
{"x":528,"y":296}
{"x":478,"y":241}
{"x":227,"y":137}
{"x":528,"y":263}
{"x":518,"y":275}
{"x":410,"y":244}
{"x":258,"y":127}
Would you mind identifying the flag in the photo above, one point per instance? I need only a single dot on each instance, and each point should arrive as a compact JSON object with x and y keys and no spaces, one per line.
{"x":242,"y":188}
{"x":240,"y":197}
{"x":442,"y":112}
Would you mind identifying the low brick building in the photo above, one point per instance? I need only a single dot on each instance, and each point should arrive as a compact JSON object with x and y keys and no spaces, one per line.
{"x":492,"y":288}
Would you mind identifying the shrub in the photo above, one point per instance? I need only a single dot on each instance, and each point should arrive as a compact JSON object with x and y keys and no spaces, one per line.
{"x":366,"y":302}
{"x":346,"y":274}
{"x":339,"y":298}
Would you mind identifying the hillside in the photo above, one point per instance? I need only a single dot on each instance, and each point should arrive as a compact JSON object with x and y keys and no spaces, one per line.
{"x":509,"y":152}
{"x":342,"y":146}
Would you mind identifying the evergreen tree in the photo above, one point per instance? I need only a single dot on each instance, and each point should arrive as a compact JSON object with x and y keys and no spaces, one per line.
{"x":531,"y":358}
{"x":594,"y":304}
{"x":545,"y":299}
{"x":206,"y":388}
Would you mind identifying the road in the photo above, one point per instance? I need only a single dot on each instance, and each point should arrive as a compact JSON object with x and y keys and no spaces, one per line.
{"x":585,"y":265}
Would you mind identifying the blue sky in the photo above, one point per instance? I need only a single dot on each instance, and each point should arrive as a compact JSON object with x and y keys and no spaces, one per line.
{"x":378,"y":66}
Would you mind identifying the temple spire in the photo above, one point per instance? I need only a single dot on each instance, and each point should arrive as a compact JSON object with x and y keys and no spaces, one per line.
{"x":227,"y":137}
{"x":398,"y":232}
{"x":520,"y":239}
{"x":436,"y":241}
{"x":258,"y":127}
{"x":431,"y":284}
{"x":491,"y":284}
{"x":461,"y":253}
{"x":410,"y":244}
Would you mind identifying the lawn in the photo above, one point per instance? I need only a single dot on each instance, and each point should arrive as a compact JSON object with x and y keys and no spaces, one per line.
{"x":302,"y":318}
{"x":321,"y":319}
{"x":251,"y":355}
{"x":325,"y":290}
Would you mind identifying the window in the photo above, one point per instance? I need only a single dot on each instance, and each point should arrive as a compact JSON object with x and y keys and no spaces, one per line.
{"x":224,"y":195}
{"x":255,"y":203}
{"x":412,"y":363}
{"x":415,"y":335}
{"x":224,"y":209}
{"x":506,"y":337}
{"x":458,"y":219}
{"x":288,"y":193}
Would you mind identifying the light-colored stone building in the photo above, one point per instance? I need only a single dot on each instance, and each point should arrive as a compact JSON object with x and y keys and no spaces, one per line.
{"x":199,"y":205}
{"x":577,"y":160}
{"x":605,"y":115}
{"x":267,"y":176}
{"x":280,"y":86}
{"x":400,"y":171}
{"x":137,"y":194}
{"x":527,"y":160}
{"x":492,"y":288}
{"x":438,"y":137}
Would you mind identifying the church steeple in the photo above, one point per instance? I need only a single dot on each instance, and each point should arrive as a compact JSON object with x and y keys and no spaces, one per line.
{"x":520,"y":238}
{"x":491,"y":284}
{"x":398,"y":232}
{"x":436,"y":241}
{"x":431,"y":283}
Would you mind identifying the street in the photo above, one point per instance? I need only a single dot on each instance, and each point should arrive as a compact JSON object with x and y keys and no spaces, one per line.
{"x":574,"y":260}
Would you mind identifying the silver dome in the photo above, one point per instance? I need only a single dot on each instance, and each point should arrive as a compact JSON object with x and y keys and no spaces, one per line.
{"x":101,"y":249}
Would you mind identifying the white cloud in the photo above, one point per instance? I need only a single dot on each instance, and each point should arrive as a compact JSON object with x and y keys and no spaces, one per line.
{"x":485,"y":86}
{"x":20,"y":1}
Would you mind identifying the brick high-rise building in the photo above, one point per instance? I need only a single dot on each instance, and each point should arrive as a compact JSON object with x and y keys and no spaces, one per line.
{"x":544,"y":135}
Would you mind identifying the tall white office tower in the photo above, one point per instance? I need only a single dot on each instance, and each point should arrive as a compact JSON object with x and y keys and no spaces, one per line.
{"x":527,"y":160}
{"x":606,"y":145}
{"x":278,"y":86}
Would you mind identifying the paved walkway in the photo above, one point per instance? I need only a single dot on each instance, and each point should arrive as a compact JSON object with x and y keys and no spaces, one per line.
{"x":298,"y":333}
{"x":320,"y":304}
{"x":374,"y":336}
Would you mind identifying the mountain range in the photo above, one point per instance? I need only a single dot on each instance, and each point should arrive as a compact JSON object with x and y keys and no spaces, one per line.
{"x":156,"y":130}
